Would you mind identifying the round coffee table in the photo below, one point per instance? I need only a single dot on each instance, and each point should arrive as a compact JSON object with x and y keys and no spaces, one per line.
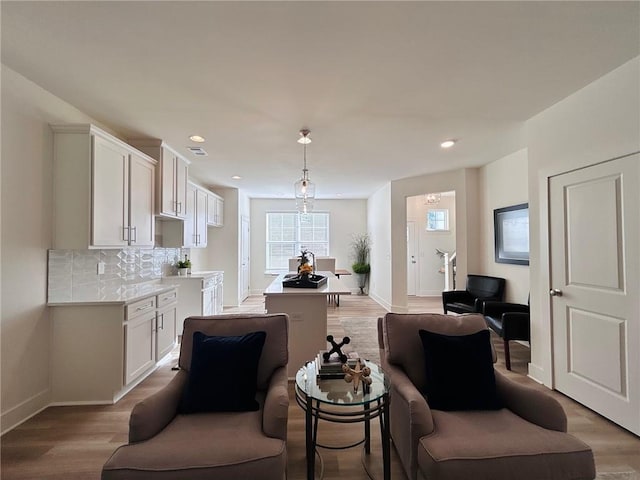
{"x":334,"y":400}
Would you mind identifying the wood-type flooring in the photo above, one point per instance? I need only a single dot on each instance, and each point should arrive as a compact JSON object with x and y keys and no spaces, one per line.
{"x":72,"y":443}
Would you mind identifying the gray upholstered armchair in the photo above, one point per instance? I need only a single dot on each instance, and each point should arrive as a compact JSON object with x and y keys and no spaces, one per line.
{"x":525,"y":439}
{"x":166,"y":444}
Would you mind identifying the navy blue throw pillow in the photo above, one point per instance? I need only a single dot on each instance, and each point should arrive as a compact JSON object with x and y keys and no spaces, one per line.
{"x":460,"y":372}
{"x":223,"y":373}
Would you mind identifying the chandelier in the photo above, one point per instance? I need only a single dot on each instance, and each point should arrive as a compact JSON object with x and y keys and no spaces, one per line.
{"x":304,"y":189}
{"x":432,"y":198}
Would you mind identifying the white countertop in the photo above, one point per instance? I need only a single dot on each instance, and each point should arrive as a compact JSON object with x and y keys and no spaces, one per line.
{"x":123,"y":296}
{"x":200,"y":275}
{"x":334,"y":286}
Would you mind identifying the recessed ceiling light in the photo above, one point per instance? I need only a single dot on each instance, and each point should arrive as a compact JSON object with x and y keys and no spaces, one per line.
{"x":448,"y":143}
{"x":236,"y":177}
{"x":338,"y":194}
{"x":196,"y":138}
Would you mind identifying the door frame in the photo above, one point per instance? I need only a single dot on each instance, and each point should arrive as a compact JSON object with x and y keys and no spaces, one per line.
{"x":416,"y":268}
{"x":245,"y":243}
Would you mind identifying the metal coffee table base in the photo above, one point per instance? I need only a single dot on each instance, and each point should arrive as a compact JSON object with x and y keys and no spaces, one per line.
{"x":316,"y":410}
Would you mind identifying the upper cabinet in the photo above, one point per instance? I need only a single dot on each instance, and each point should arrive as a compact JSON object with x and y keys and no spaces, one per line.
{"x":172,"y":179}
{"x":192,"y":233}
{"x":199,"y":218}
{"x":215,"y":210}
{"x":103,"y":190}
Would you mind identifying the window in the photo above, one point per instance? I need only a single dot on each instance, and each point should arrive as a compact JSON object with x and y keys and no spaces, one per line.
{"x":288,"y":233}
{"x":438,"y":220}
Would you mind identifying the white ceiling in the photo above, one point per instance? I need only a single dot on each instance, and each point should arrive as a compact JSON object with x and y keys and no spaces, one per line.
{"x":380,"y":84}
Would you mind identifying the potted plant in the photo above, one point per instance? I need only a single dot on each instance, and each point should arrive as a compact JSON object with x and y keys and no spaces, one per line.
{"x":361,"y":246}
{"x":184,"y":266}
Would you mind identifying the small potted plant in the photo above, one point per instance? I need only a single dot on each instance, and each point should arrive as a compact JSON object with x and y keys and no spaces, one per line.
{"x":184,"y":266}
{"x":361,"y":245}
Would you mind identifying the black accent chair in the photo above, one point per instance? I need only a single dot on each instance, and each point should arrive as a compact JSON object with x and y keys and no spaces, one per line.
{"x":511,"y":321}
{"x":479,"y":288}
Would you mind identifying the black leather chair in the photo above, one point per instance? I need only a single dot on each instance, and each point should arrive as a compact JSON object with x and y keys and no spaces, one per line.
{"x":511,"y":321}
{"x":479,"y":288}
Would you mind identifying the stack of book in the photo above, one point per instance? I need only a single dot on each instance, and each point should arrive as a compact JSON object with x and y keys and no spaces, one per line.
{"x":333,"y":367}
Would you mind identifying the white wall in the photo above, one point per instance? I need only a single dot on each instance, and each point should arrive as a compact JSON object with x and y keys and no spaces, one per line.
{"x":27,"y":157}
{"x":597,"y":123}
{"x":348,"y":217}
{"x":430,"y":280}
{"x":503,"y":183}
{"x":223,"y":246}
{"x":379,"y":221}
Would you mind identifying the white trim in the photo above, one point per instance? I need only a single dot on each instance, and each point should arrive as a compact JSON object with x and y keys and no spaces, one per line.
{"x":536,"y":373}
{"x":19,"y":414}
{"x":382,"y":303}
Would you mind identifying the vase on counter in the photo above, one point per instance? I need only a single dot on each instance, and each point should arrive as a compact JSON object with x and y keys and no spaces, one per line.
{"x":183,"y":272}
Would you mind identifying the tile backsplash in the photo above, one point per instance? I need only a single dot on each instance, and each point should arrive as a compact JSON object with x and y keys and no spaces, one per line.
{"x":74,"y":273}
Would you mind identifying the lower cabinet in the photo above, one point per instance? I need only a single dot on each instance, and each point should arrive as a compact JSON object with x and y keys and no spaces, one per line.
{"x":140,"y":350}
{"x":201,"y":293}
{"x":165,"y":329}
{"x":100,"y":351}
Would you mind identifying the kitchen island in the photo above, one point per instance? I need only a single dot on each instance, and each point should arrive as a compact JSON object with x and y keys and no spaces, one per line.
{"x":307,"y":310}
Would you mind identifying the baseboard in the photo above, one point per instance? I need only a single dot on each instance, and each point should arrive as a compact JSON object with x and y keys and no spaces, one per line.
{"x":80,"y":403}
{"x":380,"y":301}
{"x":24,"y":410}
{"x":430,"y":293}
{"x":536,"y":373}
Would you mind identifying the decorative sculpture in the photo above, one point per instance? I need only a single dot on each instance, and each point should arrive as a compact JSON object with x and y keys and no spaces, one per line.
{"x":356,"y":375}
{"x":336,"y":348}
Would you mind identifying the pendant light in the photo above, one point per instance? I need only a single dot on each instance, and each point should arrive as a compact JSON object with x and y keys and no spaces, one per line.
{"x":304,"y":189}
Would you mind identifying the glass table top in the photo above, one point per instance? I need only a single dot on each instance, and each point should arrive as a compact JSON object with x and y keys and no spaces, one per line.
{"x":337,"y":391}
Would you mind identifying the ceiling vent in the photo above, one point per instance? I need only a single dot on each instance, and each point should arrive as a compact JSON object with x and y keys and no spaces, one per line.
{"x":199,"y":151}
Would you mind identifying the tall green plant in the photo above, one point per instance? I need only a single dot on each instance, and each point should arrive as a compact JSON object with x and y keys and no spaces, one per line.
{"x":361,"y":245}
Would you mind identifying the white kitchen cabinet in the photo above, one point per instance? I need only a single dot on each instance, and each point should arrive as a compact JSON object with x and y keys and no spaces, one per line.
{"x":200,"y":294}
{"x":187,"y":237}
{"x":166,"y":316}
{"x":172,"y":177}
{"x":200,"y":219}
{"x":219,"y":299}
{"x":103,"y":191}
{"x":109,"y":193}
{"x":192,"y":232}
{"x":101,"y":349}
{"x":140,"y":345}
{"x":141,"y":200}
{"x":215,"y":210}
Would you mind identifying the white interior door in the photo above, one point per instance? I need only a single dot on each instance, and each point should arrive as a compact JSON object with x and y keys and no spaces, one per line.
{"x":412,"y":258}
{"x":244,"y":265}
{"x":594,"y":228}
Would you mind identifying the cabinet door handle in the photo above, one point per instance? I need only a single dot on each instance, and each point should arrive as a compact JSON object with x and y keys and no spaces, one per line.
{"x":161,"y":321}
{"x":179,"y":207}
{"x":145,"y":307}
{"x":135,"y":232}
{"x":126,"y":233}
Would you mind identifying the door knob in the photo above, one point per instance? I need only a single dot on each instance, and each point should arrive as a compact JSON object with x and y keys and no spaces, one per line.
{"x":555,"y":292}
